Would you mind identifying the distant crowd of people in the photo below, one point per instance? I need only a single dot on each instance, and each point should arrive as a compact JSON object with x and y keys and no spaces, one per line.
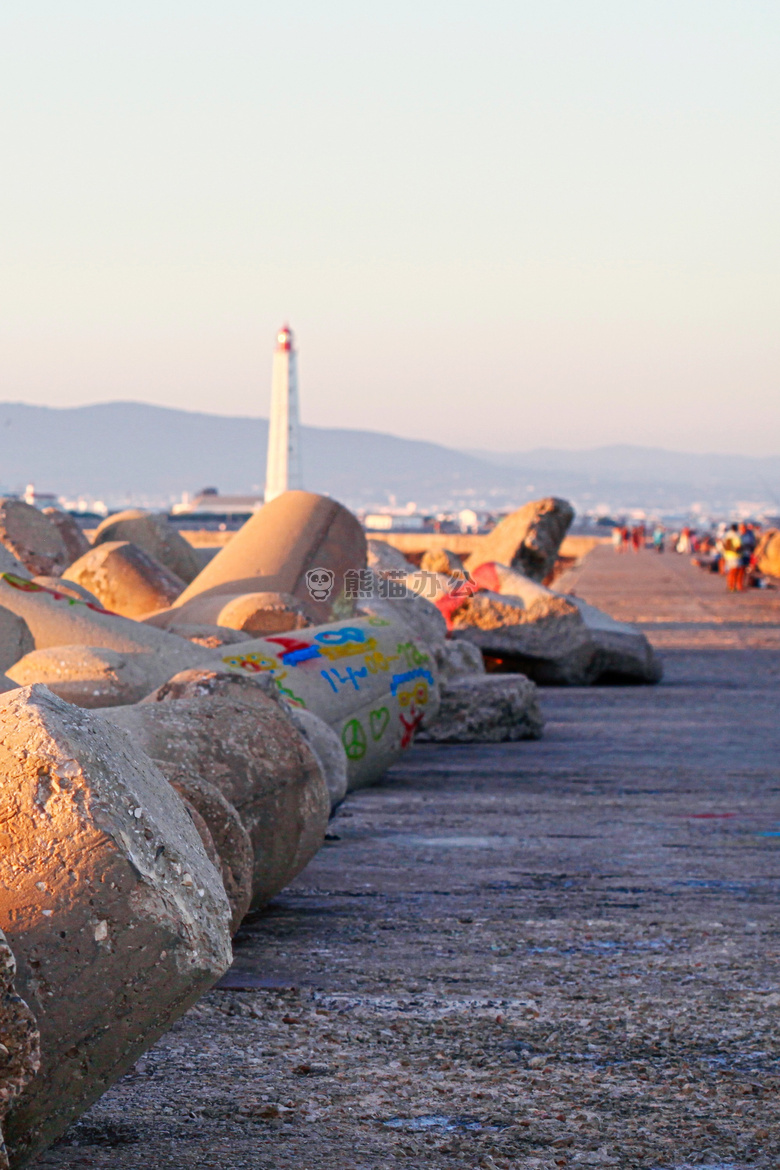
{"x":730,"y":549}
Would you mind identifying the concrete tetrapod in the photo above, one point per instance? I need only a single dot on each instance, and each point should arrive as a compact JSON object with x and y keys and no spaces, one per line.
{"x":15,"y":638}
{"x":20,"y":1055}
{"x":528,"y":539}
{"x":125,"y":578}
{"x":32,"y":538}
{"x":112,"y":658}
{"x":257,"y":614}
{"x":551,"y":637}
{"x":237,"y":736}
{"x":156,"y":536}
{"x":76,"y":543}
{"x":117,"y":918}
{"x":372,"y":680}
{"x":768,"y":552}
{"x":292,"y":535}
{"x":487,"y":708}
{"x":227,"y":837}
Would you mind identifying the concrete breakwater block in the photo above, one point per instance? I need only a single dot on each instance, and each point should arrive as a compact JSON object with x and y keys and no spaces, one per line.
{"x":73,"y":537}
{"x":488,"y":708}
{"x":327,"y":747}
{"x":238,"y":737}
{"x":117,"y":918}
{"x":156,"y":536}
{"x":20,"y":1042}
{"x":125,"y":578}
{"x":372,"y":680}
{"x":90,"y":676}
{"x":32,"y":538}
{"x":73,"y":639}
{"x":227,"y":837}
{"x":256,"y":614}
{"x":556,"y":640}
{"x":16,"y":639}
{"x":67,"y":588}
{"x":528,"y":539}
{"x":287,"y":539}
{"x":768,"y":552}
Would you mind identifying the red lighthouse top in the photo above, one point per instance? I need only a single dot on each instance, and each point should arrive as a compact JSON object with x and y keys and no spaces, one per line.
{"x":284,"y":339}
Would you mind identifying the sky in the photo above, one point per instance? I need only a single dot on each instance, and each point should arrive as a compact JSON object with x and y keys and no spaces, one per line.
{"x":495,"y":225}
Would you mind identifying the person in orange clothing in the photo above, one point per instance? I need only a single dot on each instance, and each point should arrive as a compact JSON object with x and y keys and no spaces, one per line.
{"x":732,"y":556}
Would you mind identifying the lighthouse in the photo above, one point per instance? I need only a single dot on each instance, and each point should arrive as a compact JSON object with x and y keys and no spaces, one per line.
{"x":283,"y":468}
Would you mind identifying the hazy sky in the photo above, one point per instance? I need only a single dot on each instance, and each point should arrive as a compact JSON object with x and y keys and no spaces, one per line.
{"x":496,"y":224}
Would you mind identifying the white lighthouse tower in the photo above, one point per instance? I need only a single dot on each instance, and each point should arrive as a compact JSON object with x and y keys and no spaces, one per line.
{"x":283,"y":469}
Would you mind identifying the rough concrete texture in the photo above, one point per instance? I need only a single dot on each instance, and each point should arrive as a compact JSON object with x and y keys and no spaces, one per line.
{"x":494,"y":708}
{"x":237,"y":736}
{"x":229,"y":838}
{"x":56,"y":620}
{"x":553,"y":954}
{"x":153,"y":533}
{"x":370,"y":679}
{"x":125,"y":578}
{"x":768,"y":553}
{"x":67,"y":589}
{"x":498,"y":578}
{"x":382,"y":557}
{"x":76,"y":543}
{"x":257,"y":614}
{"x":15,"y":638}
{"x":417,"y":612}
{"x":89,"y":676}
{"x":276,"y":548}
{"x":20,"y":1041}
{"x":32,"y":539}
{"x":117,"y":919}
{"x":556,"y":640}
{"x":458,"y":659}
{"x":528,"y":539}
{"x":328,"y":749}
{"x":442,"y":560}
{"x":212,"y":637}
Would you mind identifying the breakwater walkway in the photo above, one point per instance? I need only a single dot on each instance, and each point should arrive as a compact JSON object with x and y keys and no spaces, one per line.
{"x":552,"y":954}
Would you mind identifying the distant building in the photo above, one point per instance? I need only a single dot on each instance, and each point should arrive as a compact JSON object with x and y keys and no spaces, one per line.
{"x":394,"y":522}
{"x":210,"y":505}
{"x":283,"y":467}
{"x":38,"y":499}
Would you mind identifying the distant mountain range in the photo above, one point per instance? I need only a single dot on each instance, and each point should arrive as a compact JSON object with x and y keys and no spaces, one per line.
{"x":129,"y":451}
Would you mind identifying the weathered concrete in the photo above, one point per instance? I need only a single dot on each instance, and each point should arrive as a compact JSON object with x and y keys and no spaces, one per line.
{"x":15,"y":638}
{"x":480,"y":708}
{"x":255,"y":613}
{"x":152,"y":532}
{"x":117,"y":919}
{"x":296,"y":532}
{"x":528,"y":539}
{"x":20,"y":1054}
{"x":71,"y":532}
{"x":125,"y":578}
{"x":561,"y":953}
{"x":768,"y":553}
{"x":31,"y":538}
{"x":235,"y":734}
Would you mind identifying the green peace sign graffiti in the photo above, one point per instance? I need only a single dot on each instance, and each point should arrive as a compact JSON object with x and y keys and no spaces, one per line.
{"x":354,"y":739}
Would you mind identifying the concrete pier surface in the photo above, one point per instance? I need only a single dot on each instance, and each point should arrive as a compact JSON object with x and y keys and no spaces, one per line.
{"x":551,"y":954}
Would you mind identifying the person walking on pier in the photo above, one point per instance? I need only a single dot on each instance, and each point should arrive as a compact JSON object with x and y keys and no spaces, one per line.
{"x":747,"y":547}
{"x":732,"y":558}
